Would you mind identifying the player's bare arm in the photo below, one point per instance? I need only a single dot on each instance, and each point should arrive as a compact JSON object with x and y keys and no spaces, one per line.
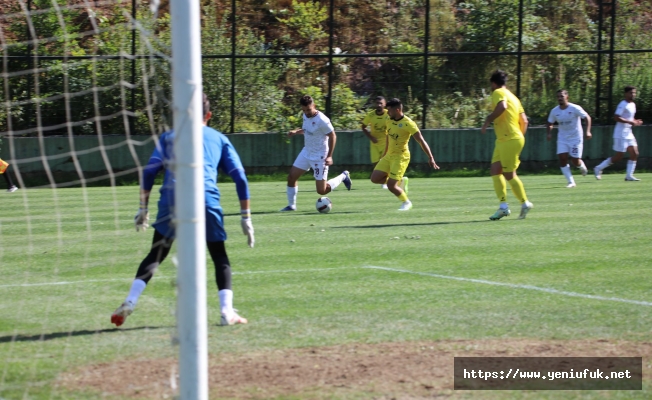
{"x":426,"y":149}
{"x":497,"y":112}
{"x":588,"y":127}
{"x":332,"y":139}
{"x":523,"y":123}
{"x":367,"y":131}
{"x":144,"y":197}
{"x":549,"y":126}
{"x":632,"y":122}
{"x":295,"y":132}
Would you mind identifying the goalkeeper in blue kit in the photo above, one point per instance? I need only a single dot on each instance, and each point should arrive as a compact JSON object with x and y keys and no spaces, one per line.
{"x":219,"y":153}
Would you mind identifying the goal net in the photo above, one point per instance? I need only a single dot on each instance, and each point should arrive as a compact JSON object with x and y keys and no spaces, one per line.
{"x":85,"y":91}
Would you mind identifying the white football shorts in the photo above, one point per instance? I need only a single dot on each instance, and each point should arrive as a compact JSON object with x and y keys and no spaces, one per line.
{"x":320,"y":170}
{"x":574,"y":149}
{"x":621,"y":145}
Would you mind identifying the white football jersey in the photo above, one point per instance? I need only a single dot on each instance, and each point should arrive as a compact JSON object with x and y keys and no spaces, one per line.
{"x":315,"y":130}
{"x":569,"y":120}
{"x":625,"y":110}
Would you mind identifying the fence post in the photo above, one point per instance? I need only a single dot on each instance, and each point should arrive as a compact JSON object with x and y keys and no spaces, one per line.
{"x":519,"y":57}
{"x":331,"y":22}
{"x":132,"y":123}
{"x":233,"y":41}
{"x":33,"y":64}
{"x":612,"y":46}
{"x":426,"y":45}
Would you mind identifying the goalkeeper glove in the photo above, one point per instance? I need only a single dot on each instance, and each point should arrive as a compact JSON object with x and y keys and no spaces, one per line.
{"x":247,"y":227}
{"x":141,"y":220}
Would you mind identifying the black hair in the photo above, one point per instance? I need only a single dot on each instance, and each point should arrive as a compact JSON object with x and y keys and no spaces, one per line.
{"x":499,"y":78}
{"x":395,"y":103}
{"x":306,"y":100}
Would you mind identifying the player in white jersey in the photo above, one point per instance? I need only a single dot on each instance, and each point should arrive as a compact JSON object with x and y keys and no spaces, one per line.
{"x":624,"y":140}
{"x":317,"y":154}
{"x":570,"y":139}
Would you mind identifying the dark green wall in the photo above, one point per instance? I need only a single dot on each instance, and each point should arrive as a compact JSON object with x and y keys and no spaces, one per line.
{"x":270,"y":151}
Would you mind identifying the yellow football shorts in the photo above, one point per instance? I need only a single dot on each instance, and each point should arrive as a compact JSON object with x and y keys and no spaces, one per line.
{"x":376,"y":150}
{"x":508,"y":154}
{"x":394,"y":165}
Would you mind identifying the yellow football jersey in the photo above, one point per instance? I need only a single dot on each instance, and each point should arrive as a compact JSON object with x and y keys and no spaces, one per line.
{"x":506,"y":125}
{"x":399,"y":133}
{"x":377,"y":124}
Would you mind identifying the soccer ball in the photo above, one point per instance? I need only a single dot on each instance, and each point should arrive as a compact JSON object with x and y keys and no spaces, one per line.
{"x":324,"y":205}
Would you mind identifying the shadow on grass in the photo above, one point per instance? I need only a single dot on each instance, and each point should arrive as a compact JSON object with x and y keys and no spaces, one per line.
{"x":252,"y":213}
{"x":416,"y":224}
{"x":58,"y":335}
{"x":297,"y":212}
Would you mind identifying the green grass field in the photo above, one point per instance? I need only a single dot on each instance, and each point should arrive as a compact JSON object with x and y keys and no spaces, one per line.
{"x":364,"y":273}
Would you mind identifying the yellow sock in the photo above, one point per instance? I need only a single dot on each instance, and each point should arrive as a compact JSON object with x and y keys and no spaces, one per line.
{"x":518,"y":189}
{"x":500,"y":186}
{"x":403,"y":197}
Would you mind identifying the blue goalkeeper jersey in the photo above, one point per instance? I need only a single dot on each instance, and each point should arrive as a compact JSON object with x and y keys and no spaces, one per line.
{"x":219,"y":153}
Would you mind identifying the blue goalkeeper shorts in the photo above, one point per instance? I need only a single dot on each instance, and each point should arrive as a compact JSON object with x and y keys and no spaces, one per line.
{"x":214,"y":223}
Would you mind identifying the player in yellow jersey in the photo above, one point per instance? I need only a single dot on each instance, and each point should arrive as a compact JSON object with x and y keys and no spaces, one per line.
{"x":510,"y":124}
{"x":374,"y":126}
{"x":392,"y":166}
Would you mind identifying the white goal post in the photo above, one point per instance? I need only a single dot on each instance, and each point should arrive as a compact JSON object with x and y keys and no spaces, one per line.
{"x":84,"y":95}
{"x":189,"y":199}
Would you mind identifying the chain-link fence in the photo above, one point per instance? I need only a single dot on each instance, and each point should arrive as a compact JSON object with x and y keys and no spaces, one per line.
{"x":435,"y":55}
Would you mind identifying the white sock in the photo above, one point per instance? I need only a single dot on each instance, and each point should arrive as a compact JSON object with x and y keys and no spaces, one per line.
{"x":335,"y":182}
{"x":226,"y":300}
{"x":631,"y":167}
{"x":137,"y":287}
{"x":504,"y":206}
{"x":567,"y":173}
{"x":292,"y":195}
{"x":605,"y":163}
{"x":581,"y":166}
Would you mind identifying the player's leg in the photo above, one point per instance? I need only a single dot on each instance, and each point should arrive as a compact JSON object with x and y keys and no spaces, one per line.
{"x":378,"y":177}
{"x":229,"y":316}
{"x":158,"y":252}
{"x":500,"y":184}
{"x":10,"y":183}
{"x":562,"y":154}
{"x":631,"y":163}
{"x":300,"y":166}
{"x":576,"y":151}
{"x":383,"y":185}
{"x":7,"y":179}
{"x":321,"y":174}
{"x":293,"y":187}
{"x":215,"y":237}
{"x":510,"y":161}
{"x":563,"y":158}
{"x":397,"y":182}
{"x":381,"y":171}
{"x":620,"y":147}
{"x":376,"y":151}
{"x":607,"y":162}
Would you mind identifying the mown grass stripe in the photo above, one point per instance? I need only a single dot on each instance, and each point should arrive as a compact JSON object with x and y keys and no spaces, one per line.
{"x":515,"y":286}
